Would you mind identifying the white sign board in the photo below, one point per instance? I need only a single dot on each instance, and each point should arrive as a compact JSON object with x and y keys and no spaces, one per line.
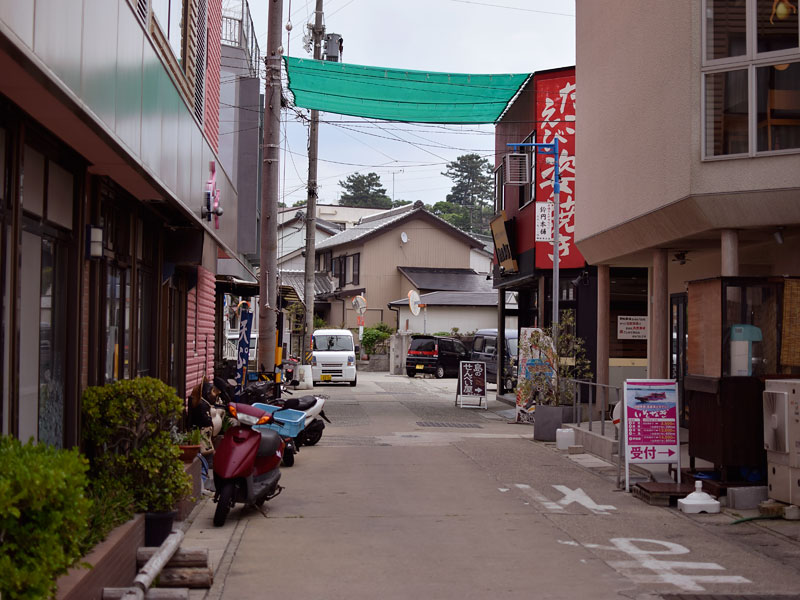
{"x":544,"y":221}
{"x":650,"y":429}
{"x":632,"y":328}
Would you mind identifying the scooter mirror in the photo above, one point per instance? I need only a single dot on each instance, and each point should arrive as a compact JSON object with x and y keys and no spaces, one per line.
{"x":292,"y":403}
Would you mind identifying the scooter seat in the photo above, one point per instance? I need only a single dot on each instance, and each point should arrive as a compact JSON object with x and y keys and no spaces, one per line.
{"x":306,"y":402}
{"x":270,"y":442}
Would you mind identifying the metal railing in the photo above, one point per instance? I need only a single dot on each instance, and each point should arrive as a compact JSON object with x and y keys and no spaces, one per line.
{"x":238,"y":31}
{"x":591,"y":391}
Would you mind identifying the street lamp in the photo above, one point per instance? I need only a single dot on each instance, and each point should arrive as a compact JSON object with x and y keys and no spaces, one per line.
{"x":551,"y":150}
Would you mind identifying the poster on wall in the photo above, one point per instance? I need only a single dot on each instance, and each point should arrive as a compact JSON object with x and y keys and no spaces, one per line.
{"x":531,"y":363}
{"x":631,"y":328}
{"x":555,"y":109}
{"x":650,"y":431}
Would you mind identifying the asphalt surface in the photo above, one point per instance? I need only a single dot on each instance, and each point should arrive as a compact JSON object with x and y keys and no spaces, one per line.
{"x":407,"y":495}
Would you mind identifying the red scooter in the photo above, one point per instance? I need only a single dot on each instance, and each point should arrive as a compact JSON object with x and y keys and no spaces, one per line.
{"x":246,"y":462}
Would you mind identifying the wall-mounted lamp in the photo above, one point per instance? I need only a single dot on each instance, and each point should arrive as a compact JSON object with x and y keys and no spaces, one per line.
{"x":583,"y":278}
{"x":94,"y":241}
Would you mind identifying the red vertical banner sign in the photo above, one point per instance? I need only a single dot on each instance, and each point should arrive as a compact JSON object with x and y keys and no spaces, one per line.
{"x":555,"y":110}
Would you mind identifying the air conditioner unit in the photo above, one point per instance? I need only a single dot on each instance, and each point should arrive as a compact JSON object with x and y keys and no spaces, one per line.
{"x":782,"y":438}
{"x":518,"y":168}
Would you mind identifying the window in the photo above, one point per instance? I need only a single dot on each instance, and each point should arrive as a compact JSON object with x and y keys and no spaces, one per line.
{"x":499,"y":189}
{"x":169,"y":15}
{"x":477,"y":344}
{"x":356,"y":269}
{"x":751,"y":77}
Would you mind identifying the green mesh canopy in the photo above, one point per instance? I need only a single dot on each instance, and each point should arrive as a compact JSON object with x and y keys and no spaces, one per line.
{"x":400,"y":95}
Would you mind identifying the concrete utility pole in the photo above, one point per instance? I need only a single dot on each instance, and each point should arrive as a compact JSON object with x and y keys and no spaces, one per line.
{"x":311,"y":203}
{"x":270,"y":190}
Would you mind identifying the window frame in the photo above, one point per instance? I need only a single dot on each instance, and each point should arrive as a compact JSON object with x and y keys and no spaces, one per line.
{"x":750,"y":61}
{"x":356,"y":269}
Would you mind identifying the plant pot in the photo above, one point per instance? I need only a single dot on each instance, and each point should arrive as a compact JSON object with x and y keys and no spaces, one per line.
{"x":188,"y":452}
{"x":547,"y":420}
{"x":157,"y":526}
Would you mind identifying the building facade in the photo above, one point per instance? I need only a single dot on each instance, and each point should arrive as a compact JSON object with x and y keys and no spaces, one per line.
{"x":689,"y":142}
{"x":109,"y":130}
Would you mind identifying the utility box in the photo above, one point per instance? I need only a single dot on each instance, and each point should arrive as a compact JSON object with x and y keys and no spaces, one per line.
{"x":782,"y":438}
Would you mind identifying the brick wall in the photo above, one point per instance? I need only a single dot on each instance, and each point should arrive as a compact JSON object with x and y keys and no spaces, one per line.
{"x":213,"y":50}
{"x":200,"y":315}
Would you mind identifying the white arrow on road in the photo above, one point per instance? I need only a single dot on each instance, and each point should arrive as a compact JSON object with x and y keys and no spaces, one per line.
{"x":581,"y":497}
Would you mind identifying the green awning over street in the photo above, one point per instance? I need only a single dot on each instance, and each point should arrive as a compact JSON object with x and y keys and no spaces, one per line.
{"x":398,"y":95}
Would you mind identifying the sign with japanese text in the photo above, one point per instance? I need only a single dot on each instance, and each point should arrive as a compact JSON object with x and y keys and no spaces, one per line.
{"x":632,"y":328}
{"x":651,"y":431}
{"x":471,"y":381}
{"x":544,"y":221}
{"x":243,"y":347}
{"x":505,"y":256}
{"x":555,"y":109}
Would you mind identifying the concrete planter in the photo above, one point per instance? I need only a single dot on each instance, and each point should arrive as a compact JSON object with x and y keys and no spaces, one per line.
{"x":548,"y":420}
{"x":113,"y":563}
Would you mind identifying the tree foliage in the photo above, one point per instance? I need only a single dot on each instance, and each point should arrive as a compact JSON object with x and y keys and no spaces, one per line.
{"x":468,"y":205}
{"x":364,"y":191}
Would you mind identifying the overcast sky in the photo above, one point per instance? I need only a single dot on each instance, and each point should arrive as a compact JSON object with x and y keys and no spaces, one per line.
{"x":457,"y":36}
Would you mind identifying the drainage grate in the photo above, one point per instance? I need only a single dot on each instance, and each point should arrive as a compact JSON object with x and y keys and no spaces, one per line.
{"x":438,"y":424}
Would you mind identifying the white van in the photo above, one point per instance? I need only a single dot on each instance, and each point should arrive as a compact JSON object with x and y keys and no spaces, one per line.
{"x":334,"y":356}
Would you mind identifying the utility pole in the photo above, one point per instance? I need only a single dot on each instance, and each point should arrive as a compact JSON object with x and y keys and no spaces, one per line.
{"x":311,"y":203}
{"x":393,"y":174}
{"x":270,"y":191}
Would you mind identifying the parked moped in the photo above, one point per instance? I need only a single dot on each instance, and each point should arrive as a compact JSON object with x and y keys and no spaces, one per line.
{"x":246,"y":462}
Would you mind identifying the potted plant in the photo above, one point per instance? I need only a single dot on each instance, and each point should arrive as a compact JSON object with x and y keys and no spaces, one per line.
{"x":127,"y":426}
{"x":550,"y":375}
{"x":189,"y":442}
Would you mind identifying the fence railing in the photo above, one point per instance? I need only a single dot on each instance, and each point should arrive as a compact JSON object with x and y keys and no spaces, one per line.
{"x":238,"y":31}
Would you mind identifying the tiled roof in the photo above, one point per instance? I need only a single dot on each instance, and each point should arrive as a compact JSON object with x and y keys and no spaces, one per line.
{"x":444,"y":279}
{"x":453,"y":299}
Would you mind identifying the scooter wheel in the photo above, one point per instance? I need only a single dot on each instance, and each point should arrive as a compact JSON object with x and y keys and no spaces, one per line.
{"x":288,"y":458}
{"x":312,"y":437}
{"x":223,"y":504}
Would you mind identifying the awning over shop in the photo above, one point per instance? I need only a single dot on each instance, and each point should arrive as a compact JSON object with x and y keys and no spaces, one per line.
{"x":400,"y":95}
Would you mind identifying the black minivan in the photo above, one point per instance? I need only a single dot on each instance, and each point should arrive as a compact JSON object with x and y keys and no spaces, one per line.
{"x":484,"y":348}
{"x":435,"y":354}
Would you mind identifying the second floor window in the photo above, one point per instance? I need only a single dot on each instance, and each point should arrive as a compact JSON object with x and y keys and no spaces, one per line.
{"x":751,"y":77}
{"x":170,"y":15}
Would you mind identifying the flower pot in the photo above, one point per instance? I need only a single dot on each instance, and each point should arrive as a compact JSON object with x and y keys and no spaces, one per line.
{"x":188,"y":452}
{"x":548,"y":419}
{"x":157,"y":526}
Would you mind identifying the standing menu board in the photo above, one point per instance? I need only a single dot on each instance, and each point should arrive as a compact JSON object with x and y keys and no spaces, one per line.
{"x":651,"y":433}
{"x":472,"y":383}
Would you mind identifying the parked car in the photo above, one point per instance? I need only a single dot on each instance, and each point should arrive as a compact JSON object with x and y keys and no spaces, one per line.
{"x":435,"y":354}
{"x":484,"y":348}
{"x":333,"y":356}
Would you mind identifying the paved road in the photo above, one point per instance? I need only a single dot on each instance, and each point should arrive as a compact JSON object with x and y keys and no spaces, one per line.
{"x":408,"y":496}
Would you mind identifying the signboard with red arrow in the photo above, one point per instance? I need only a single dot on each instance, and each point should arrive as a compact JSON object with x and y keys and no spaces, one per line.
{"x":651,"y":433}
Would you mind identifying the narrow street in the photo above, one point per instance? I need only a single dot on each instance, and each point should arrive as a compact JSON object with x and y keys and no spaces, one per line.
{"x":409,"y":496}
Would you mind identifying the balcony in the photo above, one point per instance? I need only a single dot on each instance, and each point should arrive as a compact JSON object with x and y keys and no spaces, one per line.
{"x":238,"y":31}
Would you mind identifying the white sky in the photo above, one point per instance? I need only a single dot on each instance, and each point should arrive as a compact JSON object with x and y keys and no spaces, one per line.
{"x":457,"y":36}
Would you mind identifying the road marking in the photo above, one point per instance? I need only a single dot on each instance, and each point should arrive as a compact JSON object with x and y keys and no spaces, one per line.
{"x":504,"y":490}
{"x":661,"y":571}
{"x":539,"y":497}
{"x":581,"y":497}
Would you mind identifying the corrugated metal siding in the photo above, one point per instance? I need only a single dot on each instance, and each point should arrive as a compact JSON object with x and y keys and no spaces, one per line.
{"x":213,"y":50}
{"x":200,"y":307}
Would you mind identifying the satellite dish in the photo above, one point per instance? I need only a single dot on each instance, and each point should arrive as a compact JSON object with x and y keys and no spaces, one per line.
{"x":404,"y":237}
{"x":360,"y":305}
{"x":413,"y":302}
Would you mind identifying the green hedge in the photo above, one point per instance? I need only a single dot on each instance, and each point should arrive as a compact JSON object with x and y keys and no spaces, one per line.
{"x":44,"y":515}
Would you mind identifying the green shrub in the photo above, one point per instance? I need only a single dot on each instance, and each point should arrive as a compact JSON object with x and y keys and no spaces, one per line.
{"x":385,"y":328}
{"x":112,"y":501}
{"x":127,"y":429}
{"x":372,"y":337}
{"x":44,"y":515}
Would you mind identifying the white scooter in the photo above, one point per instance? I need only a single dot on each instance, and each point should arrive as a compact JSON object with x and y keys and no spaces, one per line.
{"x":312,"y":405}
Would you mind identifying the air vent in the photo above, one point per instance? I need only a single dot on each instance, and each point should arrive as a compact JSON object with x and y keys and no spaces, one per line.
{"x":200,"y":68}
{"x":142,"y":8}
{"x":518,"y":168}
